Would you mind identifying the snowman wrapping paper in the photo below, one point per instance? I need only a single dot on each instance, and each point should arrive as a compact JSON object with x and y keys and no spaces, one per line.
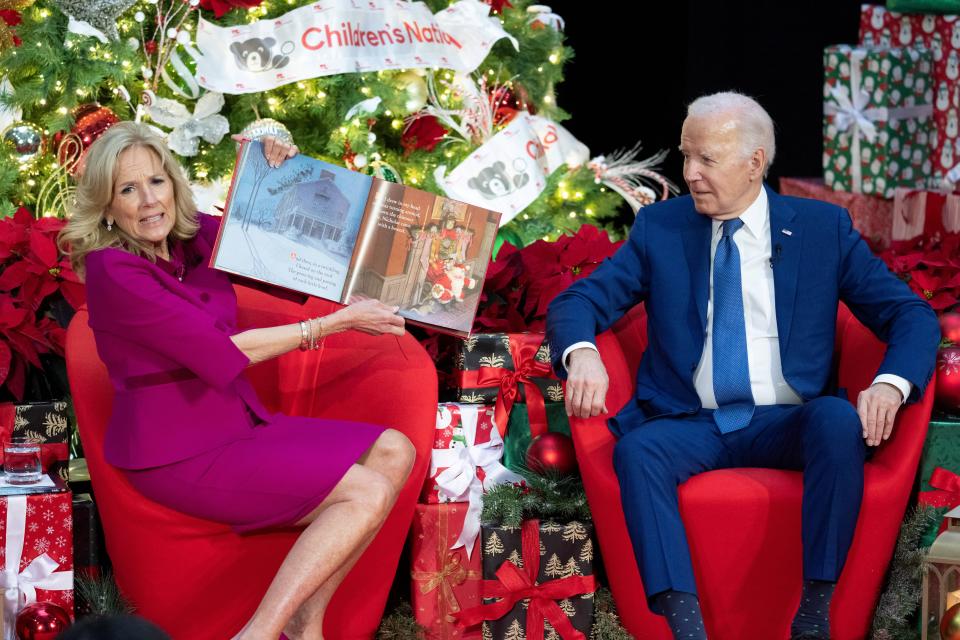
{"x":877,"y":118}
{"x":941,"y":35}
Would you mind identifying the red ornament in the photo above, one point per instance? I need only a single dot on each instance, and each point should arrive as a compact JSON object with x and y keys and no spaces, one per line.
{"x":91,"y":121}
{"x":150,"y":46}
{"x":948,"y":379}
{"x":221,"y":7}
{"x":425,"y":132}
{"x":950,"y":624}
{"x":41,"y":621}
{"x":950,"y":327}
{"x":552,"y":453}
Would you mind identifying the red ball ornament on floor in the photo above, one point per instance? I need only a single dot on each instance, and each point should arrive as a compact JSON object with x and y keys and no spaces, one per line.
{"x":950,"y":327}
{"x":552,"y":453}
{"x":41,"y":621}
{"x":948,"y":379}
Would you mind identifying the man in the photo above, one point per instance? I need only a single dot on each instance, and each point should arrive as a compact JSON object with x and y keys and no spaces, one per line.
{"x":741,"y":288}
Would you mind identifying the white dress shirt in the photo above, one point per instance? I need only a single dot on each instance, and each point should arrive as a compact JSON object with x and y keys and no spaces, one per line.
{"x":759,"y":310}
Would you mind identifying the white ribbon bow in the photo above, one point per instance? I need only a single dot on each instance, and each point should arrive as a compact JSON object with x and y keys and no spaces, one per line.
{"x":20,"y":589}
{"x":851,"y":113}
{"x":205,"y":122}
{"x":459,"y":481}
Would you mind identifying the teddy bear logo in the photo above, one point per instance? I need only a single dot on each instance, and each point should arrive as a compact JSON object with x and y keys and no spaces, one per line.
{"x":493,"y":182}
{"x":256,"y":54}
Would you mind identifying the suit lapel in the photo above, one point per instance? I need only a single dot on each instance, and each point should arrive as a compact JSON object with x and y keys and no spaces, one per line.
{"x":696,"y":244}
{"x":786,"y":239}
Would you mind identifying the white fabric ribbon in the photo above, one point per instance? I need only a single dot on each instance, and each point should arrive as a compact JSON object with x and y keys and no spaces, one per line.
{"x":852,"y":113}
{"x":205,"y":121}
{"x":20,"y":588}
{"x":330,"y":37}
{"x":510,"y":170}
{"x":193,"y":88}
{"x":459,"y":481}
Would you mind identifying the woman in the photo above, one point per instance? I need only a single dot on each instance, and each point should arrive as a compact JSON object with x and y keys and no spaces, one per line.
{"x":187,"y":429}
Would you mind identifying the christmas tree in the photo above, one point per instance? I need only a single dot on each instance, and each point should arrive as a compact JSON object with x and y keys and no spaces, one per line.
{"x":406,"y":91}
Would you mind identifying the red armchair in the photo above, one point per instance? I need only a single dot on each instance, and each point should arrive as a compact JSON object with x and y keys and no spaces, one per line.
{"x":197,"y":579}
{"x":743,"y":525}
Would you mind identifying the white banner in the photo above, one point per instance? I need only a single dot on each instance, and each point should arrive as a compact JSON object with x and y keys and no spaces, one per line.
{"x":344,"y":36}
{"x":510,"y":170}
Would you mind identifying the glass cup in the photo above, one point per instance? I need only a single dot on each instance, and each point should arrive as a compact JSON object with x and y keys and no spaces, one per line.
{"x":21,"y":460}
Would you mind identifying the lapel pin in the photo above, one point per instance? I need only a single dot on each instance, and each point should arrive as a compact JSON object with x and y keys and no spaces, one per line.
{"x":786,"y":232}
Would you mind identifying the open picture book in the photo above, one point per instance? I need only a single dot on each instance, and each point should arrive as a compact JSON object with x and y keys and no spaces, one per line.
{"x":344,"y":236}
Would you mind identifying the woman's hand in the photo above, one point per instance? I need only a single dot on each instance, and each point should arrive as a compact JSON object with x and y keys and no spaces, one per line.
{"x":370,"y":316}
{"x":274,"y":149}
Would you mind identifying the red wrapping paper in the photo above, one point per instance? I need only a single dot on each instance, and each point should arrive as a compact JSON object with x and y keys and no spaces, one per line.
{"x":449,"y":435}
{"x":443,"y":581}
{"x":926,"y":214}
{"x":872,"y":216}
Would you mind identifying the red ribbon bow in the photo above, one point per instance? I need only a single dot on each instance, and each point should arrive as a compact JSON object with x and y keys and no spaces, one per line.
{"x":945,"y":493}
{"x":514,"y":584}
{"x":523,"y":350}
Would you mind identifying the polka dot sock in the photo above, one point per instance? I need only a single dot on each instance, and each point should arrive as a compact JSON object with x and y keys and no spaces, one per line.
{"x":682,"y":612}
{"x":813,"y":616}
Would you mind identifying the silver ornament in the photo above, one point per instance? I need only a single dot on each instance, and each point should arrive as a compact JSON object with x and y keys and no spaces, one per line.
{"x":100,"y":14}
{"x":267,"y":127}
{"x":26,"y":139}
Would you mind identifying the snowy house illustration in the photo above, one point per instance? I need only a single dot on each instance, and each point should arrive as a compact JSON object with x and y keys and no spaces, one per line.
{"x":316,"y":209}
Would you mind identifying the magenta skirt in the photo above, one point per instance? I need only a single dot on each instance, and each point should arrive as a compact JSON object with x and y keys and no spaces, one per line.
{"x":271,"y":480}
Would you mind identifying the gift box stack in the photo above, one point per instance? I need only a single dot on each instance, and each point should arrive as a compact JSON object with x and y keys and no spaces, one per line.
{"x":890,"y":125}
{"x":503,"y":395}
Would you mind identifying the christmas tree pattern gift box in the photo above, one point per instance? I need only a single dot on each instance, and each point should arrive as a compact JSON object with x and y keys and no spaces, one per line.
{"x":876,"y":118}
{"x":538,"y":581}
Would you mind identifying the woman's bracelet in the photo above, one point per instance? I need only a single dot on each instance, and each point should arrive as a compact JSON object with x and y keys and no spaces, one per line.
{"x":304,"y":336}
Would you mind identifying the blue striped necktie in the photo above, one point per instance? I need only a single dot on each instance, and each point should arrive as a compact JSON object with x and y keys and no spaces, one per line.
{"x":731,"y":370}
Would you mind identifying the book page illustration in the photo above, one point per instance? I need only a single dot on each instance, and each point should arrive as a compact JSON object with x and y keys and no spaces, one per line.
{"x":294,"y":226}
{"x":424,"y":253}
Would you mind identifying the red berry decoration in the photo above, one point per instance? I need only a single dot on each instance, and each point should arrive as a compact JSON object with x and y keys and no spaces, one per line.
{"x":950,"y":327}
{"x":552,"y":453}
{"x":41,"y":621}
{"x":948,"y":379}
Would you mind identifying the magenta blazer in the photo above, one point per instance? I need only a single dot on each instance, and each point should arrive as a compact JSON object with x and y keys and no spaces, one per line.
{"x":166,"y":345}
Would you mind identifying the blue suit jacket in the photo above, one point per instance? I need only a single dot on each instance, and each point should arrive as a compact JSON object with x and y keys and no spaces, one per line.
{"x":666,"y":264}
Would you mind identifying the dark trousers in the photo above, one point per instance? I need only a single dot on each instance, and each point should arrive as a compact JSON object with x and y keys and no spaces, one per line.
{"x":822,"y":438}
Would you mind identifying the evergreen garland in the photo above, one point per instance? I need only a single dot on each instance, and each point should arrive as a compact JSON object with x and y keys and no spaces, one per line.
{"x":400,"y":625}
{"x":895,"y":617}
{"x":98,"y":595}
{"x":542,"y":497}
{"x":606,"y":622}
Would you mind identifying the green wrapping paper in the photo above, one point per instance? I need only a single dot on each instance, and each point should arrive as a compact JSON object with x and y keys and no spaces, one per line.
{"x":940,"y":449}
{"x":924,"y":6}
{"x":518,"y":437}
{"x":877,"y":118}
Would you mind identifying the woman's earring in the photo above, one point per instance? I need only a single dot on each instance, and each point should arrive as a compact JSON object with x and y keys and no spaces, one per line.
{"x":109,"y":226}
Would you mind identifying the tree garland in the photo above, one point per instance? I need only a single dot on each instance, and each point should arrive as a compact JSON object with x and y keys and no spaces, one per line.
{"x":542,"y":497}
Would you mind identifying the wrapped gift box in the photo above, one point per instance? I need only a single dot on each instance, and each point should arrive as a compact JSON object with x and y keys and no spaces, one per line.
{"x":49,"y":422}
{"x":939,"y":462}
{"x":444,"y":581}
{"x":484,"y":359}
{"x":37,"y":534}
{"x":467,"y":451}
{"x":550,"y":557}
{"x":872,"y":215}
{"x":919,"y":213}
{"x":941,"y":35}
{"x":876,"y":118}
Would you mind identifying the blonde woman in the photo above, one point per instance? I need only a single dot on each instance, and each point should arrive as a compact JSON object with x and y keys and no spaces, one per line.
{"x":187,"y":428}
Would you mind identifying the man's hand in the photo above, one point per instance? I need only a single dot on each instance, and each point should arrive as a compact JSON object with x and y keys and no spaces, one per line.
{"x":587,"y":384}
{"x":877,"y":406}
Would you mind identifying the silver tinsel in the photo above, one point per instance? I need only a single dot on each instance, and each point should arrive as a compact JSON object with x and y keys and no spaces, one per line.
{"x":267,"y":127}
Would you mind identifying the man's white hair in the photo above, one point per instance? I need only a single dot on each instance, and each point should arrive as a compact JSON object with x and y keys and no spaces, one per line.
{"x":756,"y":125}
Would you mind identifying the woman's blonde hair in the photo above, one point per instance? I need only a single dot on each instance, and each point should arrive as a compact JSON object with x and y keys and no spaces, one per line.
{"x":86,"y":228}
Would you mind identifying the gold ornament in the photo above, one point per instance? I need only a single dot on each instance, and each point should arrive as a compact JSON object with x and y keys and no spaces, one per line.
{"x":950,"y":624}
{"x":415,"y":86}
{"x":26,"y":139}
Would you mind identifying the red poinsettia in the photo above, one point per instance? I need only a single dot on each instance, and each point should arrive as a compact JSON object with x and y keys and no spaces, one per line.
{"x":931,"y":267}
{"x":423,"y":132}
{"x":521,"y":283}
{"x":221,"y":7}
{"x":497,"y":6}
{"x":32,"y":274}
